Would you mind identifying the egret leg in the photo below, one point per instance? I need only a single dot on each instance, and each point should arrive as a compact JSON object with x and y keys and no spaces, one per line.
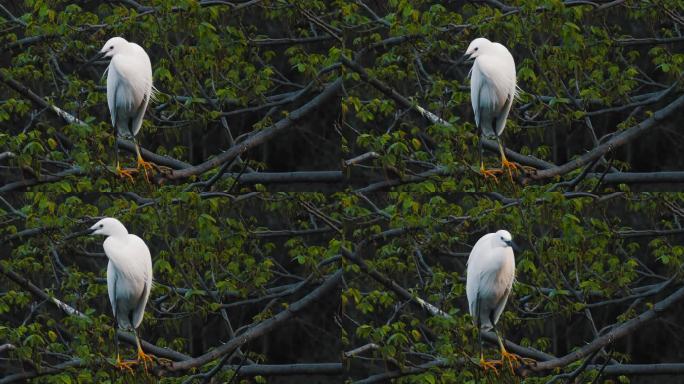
{"x":142,"y":356}
{"x":142,"y":163}
{"x":486,"y":172}
{"x":511,"y":358}
{"x":484,"y":364}
{"x":505,"y":164}
{"x":120,"y":363}
{"x":120,"y":171}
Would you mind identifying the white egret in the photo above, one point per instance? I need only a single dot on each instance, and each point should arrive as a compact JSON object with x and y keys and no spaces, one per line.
{"x":492,"y":90}
{"x":129,"y":90}
{"x":129,"y":278}
{"x":490,"y":275}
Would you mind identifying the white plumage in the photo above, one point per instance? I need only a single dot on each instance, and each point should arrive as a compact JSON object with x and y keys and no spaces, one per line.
{"x":129,"y":90}
{"x":492,"y":88}
{"x":491,"y":271}
{"x":129,"y":275}
{"x":490,"y":276}
{"x":129,"y":84}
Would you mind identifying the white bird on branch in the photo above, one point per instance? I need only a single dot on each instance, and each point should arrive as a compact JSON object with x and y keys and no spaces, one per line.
{"x":129,"y":90}
{"x":129,"y":278}
{"x":492,"y":90}
{"x":489,"y":279}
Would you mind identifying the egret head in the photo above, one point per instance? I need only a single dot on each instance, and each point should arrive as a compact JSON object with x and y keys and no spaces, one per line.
{"x":504,"y":239}
{"x":477,"y":47}
{"x":108,"y":227}
{"x":113,"y":46}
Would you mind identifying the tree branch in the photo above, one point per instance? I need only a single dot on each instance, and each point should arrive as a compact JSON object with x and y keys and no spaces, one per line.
{"x":261,"y":136}
{"x":640,"y":369}
{"x":640,"y":177}
{"x":616,"y":141}
{"x":288,"y":177}
{"x":392,"y":285}
{"x":616,"y":333}
{"x":258,"y":330}
{"x":328,"y":369}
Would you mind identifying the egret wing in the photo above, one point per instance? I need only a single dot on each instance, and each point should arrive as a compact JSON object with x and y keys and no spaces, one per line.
{"x":139,"y":115}
{"x":139,"y":310}
{"x":113,"y":79}
{"x":143,"y":264}
{"x":503,"y":115}
{"x":501,"y":305}
{"x":474,"y":276}
{"x":111,"y":285}
{"x":474,"y":305}
{"x":476,"y":83}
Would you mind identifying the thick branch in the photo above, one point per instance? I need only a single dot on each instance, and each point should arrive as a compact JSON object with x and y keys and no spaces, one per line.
{"x":650,"y":41}
{"x":290,"y":40}
{"x":616,"y":141}
{"x":640,"y":177}
{"x":260,"y":329}
{"x":640,"y":369}
{"x":288,"y":177}
{"x":650,"y":232}
{"x":328,"y":369}
{"x":262,"y":136}
{"x":616,"y":333}
{"x":153,"y":157}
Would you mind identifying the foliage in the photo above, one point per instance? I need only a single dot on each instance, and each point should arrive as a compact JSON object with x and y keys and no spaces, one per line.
{"x":250,"y":88}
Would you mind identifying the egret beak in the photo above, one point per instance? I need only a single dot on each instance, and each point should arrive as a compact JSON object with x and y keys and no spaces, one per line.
{"x":93,"y":59}
{"x":513,"y":245}
{"x":467,"y":58}
{"x":80,"y":233}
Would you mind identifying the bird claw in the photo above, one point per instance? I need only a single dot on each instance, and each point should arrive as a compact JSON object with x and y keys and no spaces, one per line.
{"x":509,"y":166}
{"x":125,"y":172}
{"x":145,"y":358}
{"x":490,"y":173}
{"x":124,"y":365}
{"x":489,"y":365}
{"x":512,"y":359}
{"x":145,"y":165}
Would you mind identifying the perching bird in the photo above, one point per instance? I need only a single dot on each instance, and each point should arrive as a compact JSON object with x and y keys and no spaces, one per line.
{"x":129,"y":90}
{"x":492,"y":90}
{"x":129,"y":278}
{"x":490,"y":275}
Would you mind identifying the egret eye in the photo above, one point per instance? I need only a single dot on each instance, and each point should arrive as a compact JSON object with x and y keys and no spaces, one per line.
{"x":111,"y":47}
{"x":476,"y":48}
{"x":101,"y":225}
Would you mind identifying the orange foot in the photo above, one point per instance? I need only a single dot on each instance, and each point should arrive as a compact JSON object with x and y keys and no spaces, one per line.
{"x":514,"y":359}
{"x":489,"y":172}
{"x":125,"y":365}
{"x":489,"y":365}
{"x":145,"y":165}
{"x":145,"y":358}
{"x":510,"y":166}
{"x":125,"y":172}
